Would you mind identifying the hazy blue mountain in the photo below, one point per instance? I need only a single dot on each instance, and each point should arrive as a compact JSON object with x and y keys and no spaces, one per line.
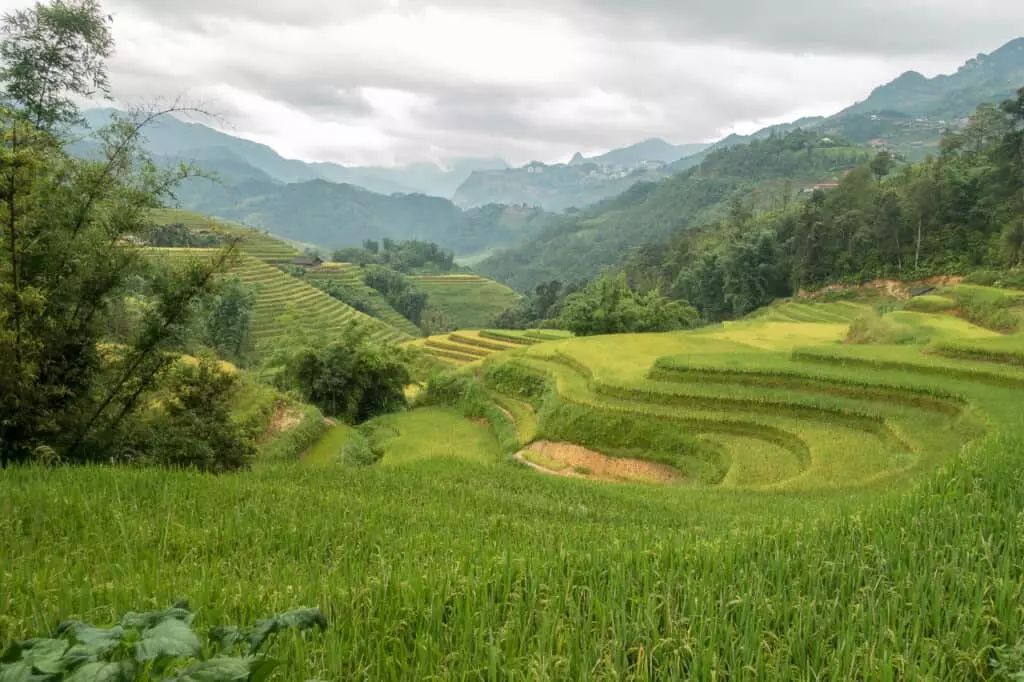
{"x":654,"y":149}
{"x":170,"y":137}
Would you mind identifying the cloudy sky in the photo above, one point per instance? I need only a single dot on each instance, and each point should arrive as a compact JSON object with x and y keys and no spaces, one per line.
{"x":397,"y":81}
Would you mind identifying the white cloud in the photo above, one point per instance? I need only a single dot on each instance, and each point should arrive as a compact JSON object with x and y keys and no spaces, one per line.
{"x":396,"y":81}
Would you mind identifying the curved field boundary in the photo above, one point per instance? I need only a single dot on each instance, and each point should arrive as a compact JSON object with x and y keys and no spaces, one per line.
{"x":482,"y":343}
{"x":510,"y":338}
{"x":729,"y":427}
{"x":671,"y":371}
{"x":961,"y":351}
{"x":859,"y":420}
{"x":949,"y":371}
{"x":456,"y":348}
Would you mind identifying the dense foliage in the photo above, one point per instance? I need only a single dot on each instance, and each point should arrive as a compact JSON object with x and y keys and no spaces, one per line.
{"x":404,"y":256}
{"x":399,"y":292}
{"x":609,"y":306}
{"x":159,"y":645}
{"x":350,"y":376}
{"x":67,"y":256}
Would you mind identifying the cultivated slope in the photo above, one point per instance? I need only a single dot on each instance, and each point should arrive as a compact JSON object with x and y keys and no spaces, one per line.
{"x":286,"y":304}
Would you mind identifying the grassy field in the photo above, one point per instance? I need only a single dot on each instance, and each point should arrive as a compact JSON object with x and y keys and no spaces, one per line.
{"x":472,"y":301}
{"x":846,"y":512}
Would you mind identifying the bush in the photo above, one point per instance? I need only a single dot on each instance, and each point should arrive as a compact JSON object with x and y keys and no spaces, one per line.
{"x":353,"y":378}
{"x":875,"y":329}
{"x":1010,"y":279}
{"x":191,"y":424}
{"x":361,"y":449}
{"x":516,"y":381}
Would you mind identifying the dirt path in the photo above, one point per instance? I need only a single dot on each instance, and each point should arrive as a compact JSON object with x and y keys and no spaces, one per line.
{"x":574,"y":461}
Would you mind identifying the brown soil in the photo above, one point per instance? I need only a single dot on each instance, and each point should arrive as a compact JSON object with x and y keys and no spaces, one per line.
{"x":583,"y":463}
{"x":285,"y":418}
{"x":891,"y":287}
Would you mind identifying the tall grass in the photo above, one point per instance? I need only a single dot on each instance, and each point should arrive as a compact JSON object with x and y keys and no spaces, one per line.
{"x":459,"y":571}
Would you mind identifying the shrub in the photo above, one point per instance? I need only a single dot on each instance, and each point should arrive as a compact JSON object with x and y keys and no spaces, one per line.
{"x":515,"y":380}
{"x":875,"y":329}
{"x":986,"y":311}
{"x":1011,"y":279}
{"x":361,"y":449}
{"x":191,"y":423}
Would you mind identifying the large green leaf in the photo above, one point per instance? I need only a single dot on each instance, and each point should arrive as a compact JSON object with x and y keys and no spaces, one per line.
{"x":170,"y":638}
{"x":218,"y":669}
{"x":15,"y":672}
{"x":45,"y":655}
{"x":97,"y":671}
{"x":142,"y":621}
{"x":300,"y":619}
{"x":91,"y":642}
{"x":227,"y":636}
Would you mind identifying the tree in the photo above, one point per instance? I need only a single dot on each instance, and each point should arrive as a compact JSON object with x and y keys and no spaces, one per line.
{"x":608,"y":306}
{"x":882,"y":164}
{"x":228,"y":318}
{"x":352,"y":377}
{"x":52,"y":54}
{"x":192,"y":425}
{"x":67,"y":229}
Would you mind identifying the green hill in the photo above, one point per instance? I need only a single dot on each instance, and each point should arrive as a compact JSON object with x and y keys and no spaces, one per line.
{"x":256,"y":243}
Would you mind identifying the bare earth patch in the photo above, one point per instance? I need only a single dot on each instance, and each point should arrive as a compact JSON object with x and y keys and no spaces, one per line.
{"x":285,"y":418}
{"x":566,"y":459}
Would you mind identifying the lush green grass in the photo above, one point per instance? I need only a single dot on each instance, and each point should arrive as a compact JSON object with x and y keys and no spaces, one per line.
{"x":431,"y":433}
{"x":864,"y":523}
{"x":472,"y":301}
{"x":326,"y":450}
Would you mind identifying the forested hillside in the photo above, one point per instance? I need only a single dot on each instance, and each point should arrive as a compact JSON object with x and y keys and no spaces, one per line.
{"x":948,"y":215}
{"x":771,"y":171}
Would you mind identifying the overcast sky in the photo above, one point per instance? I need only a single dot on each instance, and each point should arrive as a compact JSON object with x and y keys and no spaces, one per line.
{"x":397,"y":81}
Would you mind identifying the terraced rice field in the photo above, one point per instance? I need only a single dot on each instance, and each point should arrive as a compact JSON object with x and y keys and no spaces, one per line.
{"x":352,"y":276}
{"x":465,"y":347}
{"x":284,"y":302}
{"x":840,"y":512}
{"x":471,"y":300}
{"x":254,"y":242}
{"x":780,"y":404}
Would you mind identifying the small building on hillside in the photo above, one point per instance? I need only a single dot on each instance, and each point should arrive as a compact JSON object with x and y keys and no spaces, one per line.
{"x":307,"y":261}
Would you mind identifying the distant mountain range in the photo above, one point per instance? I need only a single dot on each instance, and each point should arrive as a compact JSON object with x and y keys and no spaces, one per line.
{"x":234,"y":157}
{"x":581,"y":182}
